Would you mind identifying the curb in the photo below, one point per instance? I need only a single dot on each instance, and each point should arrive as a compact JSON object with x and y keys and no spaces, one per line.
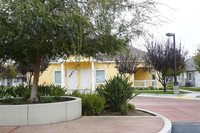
{"x":167,"y":128}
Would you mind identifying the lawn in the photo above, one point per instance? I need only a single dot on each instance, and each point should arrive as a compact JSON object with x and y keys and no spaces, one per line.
{"x":190,"y":89}
{"x":157,"y":92}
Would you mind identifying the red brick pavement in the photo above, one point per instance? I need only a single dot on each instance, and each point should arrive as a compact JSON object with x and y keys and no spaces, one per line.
{"x":95,"y":125}
{"x":176,"y":110}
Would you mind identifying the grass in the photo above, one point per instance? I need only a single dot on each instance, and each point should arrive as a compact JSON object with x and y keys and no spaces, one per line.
{"x":171,"y":85}
{"x":190,"y":89}
{"x":158,"y":92}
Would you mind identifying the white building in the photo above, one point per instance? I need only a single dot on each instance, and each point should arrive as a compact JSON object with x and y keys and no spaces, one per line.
{"x":19,"y":80}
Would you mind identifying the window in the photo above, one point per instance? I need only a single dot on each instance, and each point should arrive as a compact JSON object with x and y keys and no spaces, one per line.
{"x":16,"y":80}
{"x":57,"y":77}
{"x":100,"y":76}
{"x":190,"y":76}
{"x":153,"y":77}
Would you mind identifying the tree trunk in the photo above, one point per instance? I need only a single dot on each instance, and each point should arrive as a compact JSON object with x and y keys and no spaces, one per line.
{"x":29,"y":79}
{"x":33,"y":96}
{"x":164,"y":85}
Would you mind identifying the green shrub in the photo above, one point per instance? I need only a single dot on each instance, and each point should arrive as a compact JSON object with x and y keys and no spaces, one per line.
{"x":124,"y":109}
{"x":12,"y":91}
{"x":92,"y":104}
{"x":151,"y":88}
{"x":27,"y":94}
{"x":20,"y":90}
{"x":77,"y":93}
{"x":117,"y":91}
{"x":57,"y":91}
{"x":10,"y":100}
{"x":44,"y":90}
{"x":99,"y":91}
{"x":15,"y":102}
{"x":170,"y":86}
{"x":131,"y":106}
{"x":48,"y":100}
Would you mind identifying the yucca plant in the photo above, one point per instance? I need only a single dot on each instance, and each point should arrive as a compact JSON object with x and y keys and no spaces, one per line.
{"x":117,"y":91}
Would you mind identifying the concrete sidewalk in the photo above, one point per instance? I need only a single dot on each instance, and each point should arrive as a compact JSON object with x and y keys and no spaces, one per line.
{"x":189,"y":95}
{"x":96,"y":124}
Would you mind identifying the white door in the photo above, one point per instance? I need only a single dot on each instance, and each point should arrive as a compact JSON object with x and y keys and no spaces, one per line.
{"x":85,"y":79}
{"x":72,"y":79}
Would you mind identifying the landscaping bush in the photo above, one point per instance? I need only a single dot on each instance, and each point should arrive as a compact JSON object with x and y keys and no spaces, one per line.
{"x":124,"y":109}
{"x":151,"y":88}
{"x":99,"y":91}
{"x":117,"y":92}
{"x":10,"y":100}
{"x":44,"y":90}
{"x":131,"y":106}
{"x":7,"y":91}
{"x":57,"y":91}
{"x":92,"y":104}
{"x":48,"y":100}
{"x":27,"y":94}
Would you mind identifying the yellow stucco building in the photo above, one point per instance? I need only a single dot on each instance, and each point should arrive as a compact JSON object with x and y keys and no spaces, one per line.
{"x":87,"y":74}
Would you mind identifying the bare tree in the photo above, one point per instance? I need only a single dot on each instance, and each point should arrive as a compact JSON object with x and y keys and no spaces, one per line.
{"x":127,"y":63}
{"x":160,"y":56}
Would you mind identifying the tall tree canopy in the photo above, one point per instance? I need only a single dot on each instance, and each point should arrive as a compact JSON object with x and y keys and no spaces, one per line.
{"x":33,"y":30}
{"x":197,"y":60}
{"x":160,"y":57}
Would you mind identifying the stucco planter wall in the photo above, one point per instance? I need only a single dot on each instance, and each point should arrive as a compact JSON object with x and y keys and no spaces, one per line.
{"x":36,"y":114}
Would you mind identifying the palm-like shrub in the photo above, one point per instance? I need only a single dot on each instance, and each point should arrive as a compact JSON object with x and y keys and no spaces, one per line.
{"x":117,"y":91}
{"x":92,"y":104}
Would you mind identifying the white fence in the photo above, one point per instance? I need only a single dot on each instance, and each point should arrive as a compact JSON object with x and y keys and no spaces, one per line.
{"x":145,"y":83}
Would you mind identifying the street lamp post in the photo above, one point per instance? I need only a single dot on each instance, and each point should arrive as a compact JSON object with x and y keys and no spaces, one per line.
{"x":176,"y":86}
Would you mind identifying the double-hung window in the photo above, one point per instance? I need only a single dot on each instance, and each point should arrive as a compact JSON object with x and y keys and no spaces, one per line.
{"x":57,"y":77}
{"x":100,"y":76}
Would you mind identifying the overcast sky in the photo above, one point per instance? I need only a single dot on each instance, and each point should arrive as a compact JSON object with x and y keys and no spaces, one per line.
{"x":185,"y":22}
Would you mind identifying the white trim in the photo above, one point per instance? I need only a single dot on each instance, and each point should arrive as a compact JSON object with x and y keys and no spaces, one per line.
{"x":96,"y":76}
{"x":63,"y":84}
{"x":93,"y":80}
{"x":54,"y":62}
{"x":54,"y":77}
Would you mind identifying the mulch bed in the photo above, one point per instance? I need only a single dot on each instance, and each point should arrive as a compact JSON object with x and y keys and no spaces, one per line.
{"x":130,"y":113}
{"x":40,"y":101}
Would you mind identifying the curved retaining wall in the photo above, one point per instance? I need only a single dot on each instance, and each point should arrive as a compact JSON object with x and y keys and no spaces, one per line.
{"x":37,"y":114}
{"x":167,"y":128}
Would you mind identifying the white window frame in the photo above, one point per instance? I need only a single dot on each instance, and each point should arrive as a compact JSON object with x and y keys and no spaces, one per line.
{"x":54,"y":77}
{"x":189,"y":73}
{"x":96,"y":75}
